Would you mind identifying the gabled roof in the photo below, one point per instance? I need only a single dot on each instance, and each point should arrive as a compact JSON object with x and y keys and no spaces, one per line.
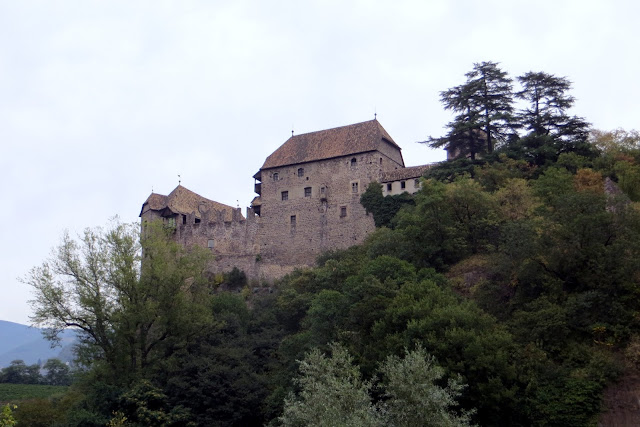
{"x":330,"y":143}
{"x":404,"y":173}
{"x":184,"y":201}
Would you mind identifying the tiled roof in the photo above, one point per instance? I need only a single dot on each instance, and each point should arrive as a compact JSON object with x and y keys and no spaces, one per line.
{"x":156,"y":201}
{"x":184,"y":201}
{"x":330,"y":143}
{"x":404,"y":173}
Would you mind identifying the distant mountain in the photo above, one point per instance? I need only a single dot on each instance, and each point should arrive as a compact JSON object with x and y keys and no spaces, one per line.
{"x":26,"y":343}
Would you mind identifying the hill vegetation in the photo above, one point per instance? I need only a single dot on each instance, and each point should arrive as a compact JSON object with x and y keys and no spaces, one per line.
{"x":505,"y":292}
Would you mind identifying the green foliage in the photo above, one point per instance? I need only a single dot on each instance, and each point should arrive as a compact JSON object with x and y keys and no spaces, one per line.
{"x":412,"y":396}
{"x":235,"y":278}
{"x":19,"y":373}
{"x":16,"y":392}
{"x":383,"y":208}
{"x":57,"y":372}
{"x":6,"y":416}
{"x":131,"y":312}
{"x":332,"y":392}
{"x":484,"y":108}
{"x":146,"y":405}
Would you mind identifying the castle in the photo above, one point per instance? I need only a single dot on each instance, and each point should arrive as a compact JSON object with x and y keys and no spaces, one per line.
{"x":308,"y":202}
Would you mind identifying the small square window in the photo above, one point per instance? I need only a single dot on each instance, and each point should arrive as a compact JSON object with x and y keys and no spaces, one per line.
{"x":343,"y":211}
{"x":354,"y":187}
{"x":307,"y":192}
{"x":285,"y":195}
{"x":300,"y":171}
{"x":389,"y":187}
{"x":403,"y":184}
{"x":210,"y":243}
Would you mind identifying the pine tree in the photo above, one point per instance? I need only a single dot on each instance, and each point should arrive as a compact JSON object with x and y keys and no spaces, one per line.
{"x":484,"y":107}
{"x":551,"y":131}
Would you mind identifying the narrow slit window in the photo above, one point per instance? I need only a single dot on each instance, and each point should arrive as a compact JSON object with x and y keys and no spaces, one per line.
{"x":403,"y":184}
{"x":293,"y":222}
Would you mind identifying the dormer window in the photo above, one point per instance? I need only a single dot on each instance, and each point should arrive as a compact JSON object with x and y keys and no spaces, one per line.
{"x":300,"y":172}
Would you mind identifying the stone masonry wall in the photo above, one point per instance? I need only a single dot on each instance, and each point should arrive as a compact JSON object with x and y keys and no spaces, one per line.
{"x":293,"y":232}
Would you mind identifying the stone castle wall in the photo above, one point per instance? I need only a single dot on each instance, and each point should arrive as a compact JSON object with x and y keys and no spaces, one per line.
{"x":321,"y":211}
{"x":327,"y":215}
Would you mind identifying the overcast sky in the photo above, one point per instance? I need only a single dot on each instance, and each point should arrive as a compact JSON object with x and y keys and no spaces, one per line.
{"x":101,"y":102}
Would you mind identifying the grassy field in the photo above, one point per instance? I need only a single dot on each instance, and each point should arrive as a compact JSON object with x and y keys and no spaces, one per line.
{"x":16,"y":392}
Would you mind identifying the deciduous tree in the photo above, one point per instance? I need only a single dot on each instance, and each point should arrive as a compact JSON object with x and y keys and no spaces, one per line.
{"x":130,"y":312}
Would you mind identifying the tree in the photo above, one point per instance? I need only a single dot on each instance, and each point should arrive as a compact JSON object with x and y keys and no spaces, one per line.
{"x":484,"y":107}
{"x":19,"y":373}
{"x":413,"y":397}
{"x":130,"y":312}
{"x":382,"y":207}
{"x":551,"y":130}
{"x":334,"y":393}
{"x":58,"y":373}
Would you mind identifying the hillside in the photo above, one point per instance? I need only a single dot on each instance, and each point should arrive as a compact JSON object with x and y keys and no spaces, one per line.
{"x":27,"y":343}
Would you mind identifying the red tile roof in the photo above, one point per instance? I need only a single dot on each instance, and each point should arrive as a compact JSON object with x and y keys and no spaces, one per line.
{"x":330,"y":143}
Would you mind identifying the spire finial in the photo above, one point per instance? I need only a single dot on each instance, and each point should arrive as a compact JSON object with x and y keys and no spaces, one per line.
{"x":179,"y":180}
{"x":375,"y":113}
